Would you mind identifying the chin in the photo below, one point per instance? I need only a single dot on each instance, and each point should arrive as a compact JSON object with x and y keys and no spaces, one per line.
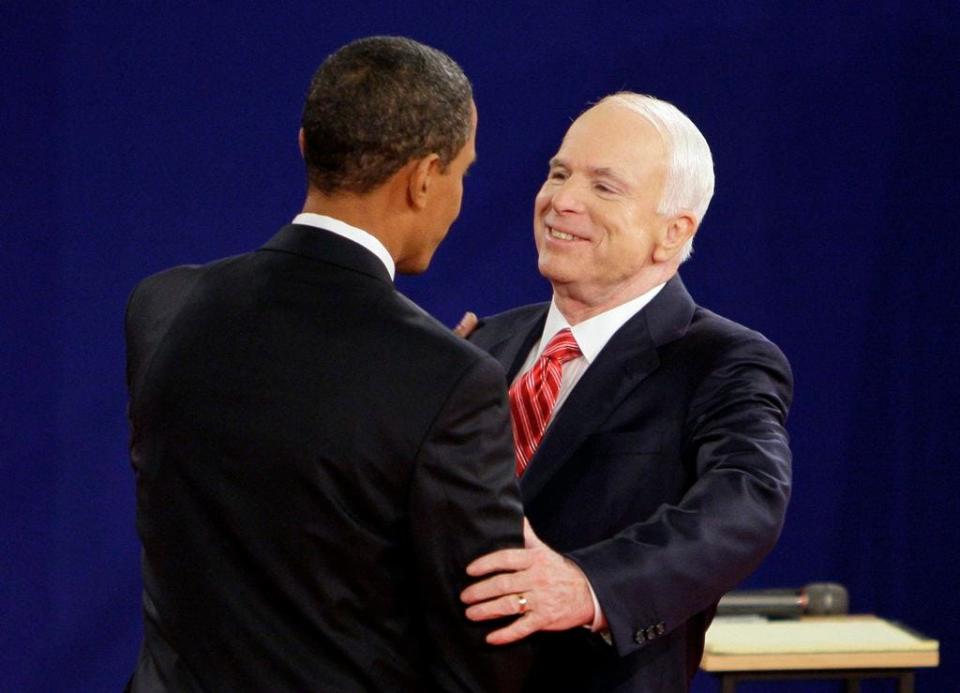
{"x":550,"y":269}
{"x":559,"y":270}
{"x":415,"y":266}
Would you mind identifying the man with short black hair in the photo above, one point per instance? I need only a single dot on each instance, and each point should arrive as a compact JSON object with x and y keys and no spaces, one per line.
{"x":318,"y":460}
{"x":371,"y":109}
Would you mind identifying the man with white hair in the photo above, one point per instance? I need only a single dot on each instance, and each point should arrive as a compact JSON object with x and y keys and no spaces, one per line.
{"x":650,"y":439}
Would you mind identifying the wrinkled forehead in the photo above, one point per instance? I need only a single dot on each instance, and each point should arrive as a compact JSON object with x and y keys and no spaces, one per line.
{"x":611,"y":135}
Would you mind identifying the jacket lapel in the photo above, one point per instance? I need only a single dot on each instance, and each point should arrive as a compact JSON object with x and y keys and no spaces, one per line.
{"x":512,"y":350}
{"x":627,"y":359}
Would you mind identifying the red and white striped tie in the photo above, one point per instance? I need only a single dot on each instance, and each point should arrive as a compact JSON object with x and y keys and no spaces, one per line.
{"x":534,"y":395}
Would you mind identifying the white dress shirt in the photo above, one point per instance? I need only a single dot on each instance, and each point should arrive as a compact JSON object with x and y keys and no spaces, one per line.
{"x":341,"y":228}
{"x":591,"y":335}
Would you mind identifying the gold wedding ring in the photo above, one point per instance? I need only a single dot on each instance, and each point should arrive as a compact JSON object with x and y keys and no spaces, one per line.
{"x":521,"y":604}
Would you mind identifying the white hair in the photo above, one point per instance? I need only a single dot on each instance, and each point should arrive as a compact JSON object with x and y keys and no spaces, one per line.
{"x":689,"y":181}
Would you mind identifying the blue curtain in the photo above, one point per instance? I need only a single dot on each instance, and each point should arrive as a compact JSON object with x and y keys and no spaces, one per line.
{"x":136,"y":136}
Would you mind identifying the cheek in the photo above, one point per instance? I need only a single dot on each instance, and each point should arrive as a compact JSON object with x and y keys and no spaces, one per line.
{"x":632,"y":247}
{"x":455,"y":201}
{"x":541,"y":203}
{"x":540,"y":206}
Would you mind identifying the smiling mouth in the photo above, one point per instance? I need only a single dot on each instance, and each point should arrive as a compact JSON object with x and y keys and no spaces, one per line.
{"x":561,"y":235}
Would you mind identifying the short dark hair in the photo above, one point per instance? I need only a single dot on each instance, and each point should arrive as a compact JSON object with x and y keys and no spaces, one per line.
{"x":376,"y":104}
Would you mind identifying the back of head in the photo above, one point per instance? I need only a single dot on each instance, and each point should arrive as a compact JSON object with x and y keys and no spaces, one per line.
{"x":378,"y":103}
{"x":690,"y":181}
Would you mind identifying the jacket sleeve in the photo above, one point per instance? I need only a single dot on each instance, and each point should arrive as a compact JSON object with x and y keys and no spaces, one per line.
{"x":464,"y":503}
{"x":654,"y":575}
{"x":151,"y":309}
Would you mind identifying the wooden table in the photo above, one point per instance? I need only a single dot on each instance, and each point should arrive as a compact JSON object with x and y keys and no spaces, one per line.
{"x":850,"y":648}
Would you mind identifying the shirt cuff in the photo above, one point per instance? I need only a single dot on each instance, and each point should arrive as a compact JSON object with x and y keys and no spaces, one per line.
{"x":599,"y":623}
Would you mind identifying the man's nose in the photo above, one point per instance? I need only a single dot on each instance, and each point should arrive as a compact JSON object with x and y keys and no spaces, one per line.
{"x":567,"y":197}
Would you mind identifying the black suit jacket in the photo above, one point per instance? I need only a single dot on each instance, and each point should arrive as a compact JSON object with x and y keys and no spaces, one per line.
{"x":665,"y":475}
{"x":317,"y":461}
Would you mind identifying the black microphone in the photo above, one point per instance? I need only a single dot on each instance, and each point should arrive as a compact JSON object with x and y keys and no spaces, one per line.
{"x":815,"y":599}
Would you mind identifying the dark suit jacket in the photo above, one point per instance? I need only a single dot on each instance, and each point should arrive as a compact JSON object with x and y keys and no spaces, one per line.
{"x":317,"y":461}
{"x":665,"y":476}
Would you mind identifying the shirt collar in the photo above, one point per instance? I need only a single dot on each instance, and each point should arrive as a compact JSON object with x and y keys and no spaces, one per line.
{"x":342,"y":228}
{"x":593,"y":334}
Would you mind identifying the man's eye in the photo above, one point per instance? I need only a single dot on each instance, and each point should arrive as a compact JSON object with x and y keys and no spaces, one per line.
{"x":600,"y":187}
{"x":556,"y":175}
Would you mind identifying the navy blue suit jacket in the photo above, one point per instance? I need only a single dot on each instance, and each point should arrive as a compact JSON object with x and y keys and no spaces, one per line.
{"x":317,"y":462}
{"x":665,"y":476}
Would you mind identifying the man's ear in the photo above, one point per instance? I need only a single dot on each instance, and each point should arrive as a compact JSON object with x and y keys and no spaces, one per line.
{"x":420,"y":181}
{"x":302,"y":142}
{"x":674,"y":236}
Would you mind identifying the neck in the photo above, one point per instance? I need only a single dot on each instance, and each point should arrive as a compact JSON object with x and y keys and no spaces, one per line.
{"x":578,"y":303}
{"x":365,"y":212}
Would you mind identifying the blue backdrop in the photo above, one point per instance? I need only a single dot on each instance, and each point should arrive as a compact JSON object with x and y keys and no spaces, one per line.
{"x":141,"y":135}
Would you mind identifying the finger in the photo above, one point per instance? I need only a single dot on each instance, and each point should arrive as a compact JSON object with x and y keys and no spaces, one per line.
{"x":518,"y":630}
{"x":505,"y":559}
{"x":493,"y":588}
{"x":509,"y":605}
{"x":467,"y":324}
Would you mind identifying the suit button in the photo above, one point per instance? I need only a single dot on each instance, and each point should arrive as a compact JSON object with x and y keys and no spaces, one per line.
{"x":661,"y":628}
{"x":638,"y":637}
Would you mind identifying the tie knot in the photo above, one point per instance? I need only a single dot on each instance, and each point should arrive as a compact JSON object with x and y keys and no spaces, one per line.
{"x":563,"y":347}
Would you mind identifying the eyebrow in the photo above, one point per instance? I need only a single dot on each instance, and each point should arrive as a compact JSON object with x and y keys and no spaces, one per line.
{"x":595,"y":171}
